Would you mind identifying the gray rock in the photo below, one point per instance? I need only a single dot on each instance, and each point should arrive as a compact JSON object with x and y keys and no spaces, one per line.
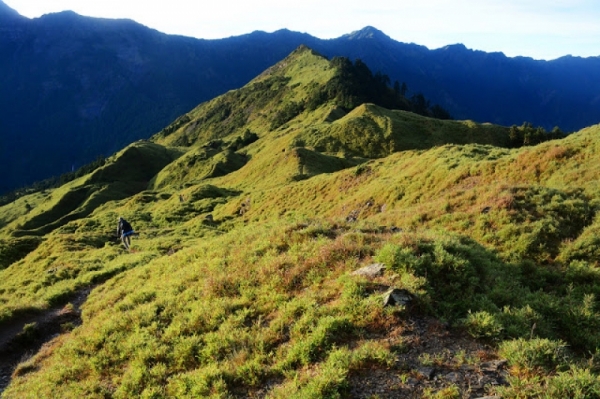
{"x":371,"y":271}
{"x":426,"y":372}
{"x":493,"y":366}
{"x":353,"y":216}
{"x":454,"y":377}
{"x":467,"y":367}
{"x":412,"y":382}
{"x":487,"y":381}
{"x":397,"y":296}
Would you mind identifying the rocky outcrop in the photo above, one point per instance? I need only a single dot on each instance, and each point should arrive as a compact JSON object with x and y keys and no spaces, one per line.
{"x":371,"y":271}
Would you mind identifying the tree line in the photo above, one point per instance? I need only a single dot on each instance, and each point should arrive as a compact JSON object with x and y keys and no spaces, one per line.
{"x":526,"y":135}
{"x":354,"y":84}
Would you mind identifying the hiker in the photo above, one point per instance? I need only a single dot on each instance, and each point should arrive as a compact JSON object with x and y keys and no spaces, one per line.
{"x":124,"y":231}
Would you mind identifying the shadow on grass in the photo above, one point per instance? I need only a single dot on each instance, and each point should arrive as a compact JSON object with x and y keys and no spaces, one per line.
{"x":23,"y":336}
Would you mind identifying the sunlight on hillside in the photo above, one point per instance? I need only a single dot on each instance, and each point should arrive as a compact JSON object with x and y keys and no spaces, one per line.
{"x":254,"y":210}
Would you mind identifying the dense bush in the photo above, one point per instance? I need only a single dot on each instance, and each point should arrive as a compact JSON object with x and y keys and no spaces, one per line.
{"x":540,"y":355}
{"x":451,"y":271}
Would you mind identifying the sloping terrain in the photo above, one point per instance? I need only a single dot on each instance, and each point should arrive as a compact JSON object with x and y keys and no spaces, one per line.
{"x":255,"y":210}
{"x":82,"y":88}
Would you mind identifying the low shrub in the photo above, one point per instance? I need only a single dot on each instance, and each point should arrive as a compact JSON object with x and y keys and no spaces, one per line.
{"x":535,"y":356}
{"x":450,"y":268}
{"x":482,"y":325}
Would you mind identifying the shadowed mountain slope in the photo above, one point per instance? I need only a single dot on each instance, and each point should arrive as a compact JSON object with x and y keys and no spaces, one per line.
{"x":84,"y":87}
{"x":255,"y":209}
{"x":8,"y":14}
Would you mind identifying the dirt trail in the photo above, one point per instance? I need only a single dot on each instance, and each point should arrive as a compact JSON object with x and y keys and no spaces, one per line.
{"x":432,"y":357}
{"x":429,"y":355}
{"x":15,"y":347}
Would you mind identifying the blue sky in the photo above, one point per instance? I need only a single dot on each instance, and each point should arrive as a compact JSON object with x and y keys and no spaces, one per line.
{"x":544,"y":29}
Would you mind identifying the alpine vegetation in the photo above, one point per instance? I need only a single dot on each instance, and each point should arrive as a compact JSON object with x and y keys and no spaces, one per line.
{"x":313,"y":234}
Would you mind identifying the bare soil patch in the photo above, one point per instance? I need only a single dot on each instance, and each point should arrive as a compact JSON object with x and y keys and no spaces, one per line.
{"x":24,"y":336}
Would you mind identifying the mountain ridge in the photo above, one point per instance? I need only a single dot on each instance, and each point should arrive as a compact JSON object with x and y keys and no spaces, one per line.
{"x":259,"y":214}
{"x":368,"y":32}
{"x":7,"y":12}
{"x":108,"y":83}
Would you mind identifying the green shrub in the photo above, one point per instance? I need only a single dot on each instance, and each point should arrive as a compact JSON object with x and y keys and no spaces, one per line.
{"x":482,"y":325}
{"x":29,"y":333}
{"x":521,"y":322}
{"x":535,"y":355}
{"x":576,"y":383}
{"x":399,"y":259}
{"x":451,"y":392}
{"x":319,"y":339}
{"x":450,"y":268}
{"x":331,"y":377}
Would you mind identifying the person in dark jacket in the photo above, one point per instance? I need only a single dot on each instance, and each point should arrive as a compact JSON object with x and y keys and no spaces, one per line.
{"x":125,"y":231}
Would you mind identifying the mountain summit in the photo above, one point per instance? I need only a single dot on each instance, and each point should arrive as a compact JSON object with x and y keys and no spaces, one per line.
{"x":8,"y":14}
{"x":81,"y":88}
{"x":297,"y":239}
{"x":348,"y":108}
{"x":368,"y":32}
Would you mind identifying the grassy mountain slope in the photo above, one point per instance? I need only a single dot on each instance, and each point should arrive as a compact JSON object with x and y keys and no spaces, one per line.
{"x":287,"y":108}
{"x":81,"y":87}
{"x":253,"y":210}
{"x":84,"y":87}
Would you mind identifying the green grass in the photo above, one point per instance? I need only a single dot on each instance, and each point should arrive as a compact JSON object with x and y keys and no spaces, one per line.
{"x":208,"y":316}
{"x":240,"y":276}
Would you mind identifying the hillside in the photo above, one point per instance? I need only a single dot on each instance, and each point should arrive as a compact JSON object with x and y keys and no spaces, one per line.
{"x":79,"y":88}
{"x":255,"y":210}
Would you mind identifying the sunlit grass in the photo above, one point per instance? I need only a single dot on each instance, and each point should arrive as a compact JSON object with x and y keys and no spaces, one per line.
{"x":239,"y":280}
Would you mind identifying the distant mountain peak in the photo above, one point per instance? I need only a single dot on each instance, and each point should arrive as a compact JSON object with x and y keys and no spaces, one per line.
{"x":368,"y":32}
{"x":65,"y":15}
{"x":8,"y":13}
{"x":457,"y":46}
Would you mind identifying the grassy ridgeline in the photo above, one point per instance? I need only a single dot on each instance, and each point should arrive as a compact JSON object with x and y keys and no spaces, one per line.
{"x":229,"y":311}
{"x":498,"y":242}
